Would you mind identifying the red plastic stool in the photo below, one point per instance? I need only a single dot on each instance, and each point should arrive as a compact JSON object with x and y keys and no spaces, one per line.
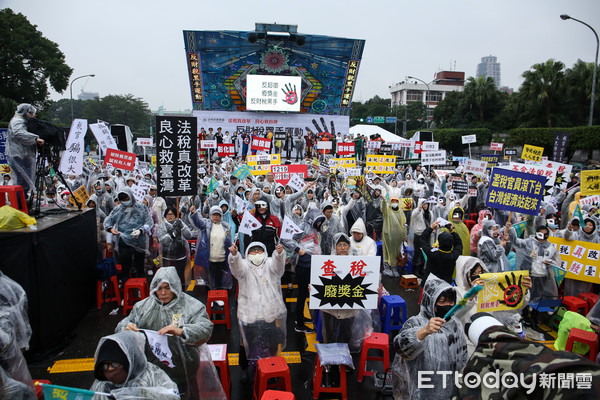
{"x":585,"y":337}
{"x":277,"y":395}
{"x":591,"y":298}
{"x":470,"y":224}
{"x":214,"y":295}
{"x":317,"y":379}
{"x":573,"y":303}
{"x":16,"y":197}
{"x":129,"y":299}
{"x":218,"y":353}
{"x":271,"y":368}
{"x":102,"y":297}
{"x":380,"y":341}
{"x":39,"y":389}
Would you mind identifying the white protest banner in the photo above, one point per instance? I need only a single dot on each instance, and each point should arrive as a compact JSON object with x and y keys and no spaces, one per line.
{"x":430,"y":146}
{"x":289,"y":229}
{"x":201,"y":170}
{"x":400,"y":145}
{"x":160,"y":347}
{"x":563,"y":173}
{"x":240,"y":205}
{"x":145,"y":142}
{"x":590,"y":200}
{"x":344,"y":282}
{"x":145,"y":186}
{"x":249,"y":223}
{"x":373,"y":144}
{"x":467,"y":139}
{"x":441,"y":173}
{"x":496,"y":146}
{"x":433,"y":157}
{"x":102,"y":134}
{"x":475,"y":167}
{"x":296,"y":182}
{"x":138,"y":192}
{"x":208,"y":144}
{"x":549,"y":173}
{"x":71,"y":162}
{"x":324,"y":145}
{"x":356,"y":171}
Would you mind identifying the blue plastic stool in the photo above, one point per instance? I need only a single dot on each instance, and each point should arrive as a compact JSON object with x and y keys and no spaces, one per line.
{"x":392,"y":317}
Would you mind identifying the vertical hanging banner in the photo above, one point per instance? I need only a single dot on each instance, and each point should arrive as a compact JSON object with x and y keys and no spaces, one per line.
{"x":102,"y":134}
{"x":532,"y":153}
{"x":560,"y":145}
{"x":590,"y":182}
{"x":71,"y":162}
{"x":176,"y":148}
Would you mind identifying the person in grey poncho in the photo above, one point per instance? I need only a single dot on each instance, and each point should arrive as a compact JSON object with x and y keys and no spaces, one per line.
{"x":329,"y":227}
{"x":121,"y":368}
{"x":491,"y":250}
{"x":170,"y":311}
{"x":429,"y":343}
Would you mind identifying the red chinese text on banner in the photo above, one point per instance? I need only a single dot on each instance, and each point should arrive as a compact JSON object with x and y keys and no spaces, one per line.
{"x":120,"y":159}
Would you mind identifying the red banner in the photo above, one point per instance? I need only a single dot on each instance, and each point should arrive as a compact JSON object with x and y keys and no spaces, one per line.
{"x":226,"y":149}
{"x":120,"y":159}
{"x":345,"y":149}
{"x":418,"y":147}
{"x":284,"y":172}
{"x":261,"y":144}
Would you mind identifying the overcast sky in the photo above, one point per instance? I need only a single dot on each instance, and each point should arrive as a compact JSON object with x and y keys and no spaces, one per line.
{"x":136,"y":46}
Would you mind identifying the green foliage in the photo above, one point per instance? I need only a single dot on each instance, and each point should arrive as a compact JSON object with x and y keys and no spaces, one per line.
{"x":7,"y":108}
{"x":543,"y":90}
{"x":29,"y":61}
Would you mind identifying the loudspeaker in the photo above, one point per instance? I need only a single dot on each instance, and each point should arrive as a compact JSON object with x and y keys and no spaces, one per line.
{"x":118,"y":132}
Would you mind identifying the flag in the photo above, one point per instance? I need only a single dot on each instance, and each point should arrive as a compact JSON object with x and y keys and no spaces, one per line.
{"x":212,"y":185}
{"x":520,"y":227}
{"x":249,"y":223}
{"x":242,"y":172}
{"x":66,"y":393}
{"x":577,"y":213}
{"x":559,"y":274}
{"x":160,"y":347}
{"x":289,"y":229}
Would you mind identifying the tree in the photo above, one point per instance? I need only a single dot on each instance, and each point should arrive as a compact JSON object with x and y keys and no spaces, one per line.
{"x":579,"y":90}
{"x":118,"y":109}
{"x":543,"y":88}
{"x":481,"y":92}
{"x":449,"y":113}
{"x":29,"y":61}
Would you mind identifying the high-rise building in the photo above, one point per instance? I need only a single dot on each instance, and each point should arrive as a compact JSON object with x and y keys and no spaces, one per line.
{"x":88,"y":95}
{"x":489,"y":67}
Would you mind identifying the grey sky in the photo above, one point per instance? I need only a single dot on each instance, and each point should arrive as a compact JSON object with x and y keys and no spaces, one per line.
{"x":136,"y":46}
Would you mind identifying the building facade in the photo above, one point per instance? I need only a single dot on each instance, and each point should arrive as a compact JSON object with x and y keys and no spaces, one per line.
{"x":490,"y":68}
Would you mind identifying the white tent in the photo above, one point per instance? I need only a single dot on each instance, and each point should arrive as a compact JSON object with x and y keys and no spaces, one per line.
{"x":369,"y":130}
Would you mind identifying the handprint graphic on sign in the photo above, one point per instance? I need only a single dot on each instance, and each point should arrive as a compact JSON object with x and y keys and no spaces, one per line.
{"x":291,"y":96}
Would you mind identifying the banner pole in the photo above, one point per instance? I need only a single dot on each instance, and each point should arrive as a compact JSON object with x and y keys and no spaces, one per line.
{"x":177,"y":206}
{"x":470,"y":150}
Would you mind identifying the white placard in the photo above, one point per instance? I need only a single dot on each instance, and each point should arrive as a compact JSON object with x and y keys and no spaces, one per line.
{"x":102,"y":134}
{"x":590,"y":200}
{"x":496,"y":146}
{"x":467,"y":139}
{"x":71,"y":162}
{"x":240,"y":205}
{"x":433,"y":157}
{"x":430,"y":146}
{"x":355,"y":171}
{"x":273,"y":93}
{"x":208,"y":144}
{"x":289,"y":229}
{"x":159,"y":345}
{"x":138,"y":192}
{"x":145,"y":142}
{"x":401,"y":145}
{"x":249,"y":223}
{"x":373,"y":144}
{"x":324,"y":145}
{"x":296,"y":182}
{"x":476,"y":167}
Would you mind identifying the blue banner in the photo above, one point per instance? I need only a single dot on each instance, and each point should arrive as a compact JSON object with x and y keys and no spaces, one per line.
{"x":492,"y":160}
{"x":3,"y":136}
{"x":515,"y":191}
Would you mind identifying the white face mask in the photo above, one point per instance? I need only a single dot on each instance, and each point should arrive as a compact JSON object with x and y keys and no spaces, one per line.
{"x":395,"y":206}
{"x":257,"y":259}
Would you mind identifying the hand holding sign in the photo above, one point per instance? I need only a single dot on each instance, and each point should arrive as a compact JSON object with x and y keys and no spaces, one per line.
{"x":296,"y":182}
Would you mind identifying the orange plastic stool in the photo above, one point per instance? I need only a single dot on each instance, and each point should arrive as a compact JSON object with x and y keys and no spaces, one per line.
{"x":409,"y":282}
{"x":16,"y":197}
{"x":379,"y":341}
{"x":102,"y":298}
{"x":277,"y":395}
{"x":573,"y":303}
{"x":219,"y":357}
{"x":271,"y":368}
{"x":129,"y":299}
{"x":591,"y":298}
{"x":585,"y":337}
{"x":317,"y":379}
{"x":214,"y":295}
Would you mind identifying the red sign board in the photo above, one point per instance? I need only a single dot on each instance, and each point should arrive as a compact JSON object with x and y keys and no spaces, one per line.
{"x":496,"y":146}
{"x":418,"y":147}
{"x":120,"y":159}
{"x":283,"y":172}
{"x":261,"y":144}
{"x":345,"y":149}
{"x":226,"y":149}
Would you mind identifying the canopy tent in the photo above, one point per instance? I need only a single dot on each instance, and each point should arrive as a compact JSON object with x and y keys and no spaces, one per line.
{"x":369,"y":130}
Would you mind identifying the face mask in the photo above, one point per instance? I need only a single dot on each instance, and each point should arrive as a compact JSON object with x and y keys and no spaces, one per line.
{"x":395,"y":206}
{"x":215,"y":195}
{"x":488,"y":217}
{"x":442,"y":310}
{"x":127,"y":203}
{"x":257,"y":259}
{"x":421,"y":181}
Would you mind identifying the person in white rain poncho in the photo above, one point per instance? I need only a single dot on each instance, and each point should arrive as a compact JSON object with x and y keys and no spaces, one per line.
{"x":121,"y":368}
{"x":491,"y":250}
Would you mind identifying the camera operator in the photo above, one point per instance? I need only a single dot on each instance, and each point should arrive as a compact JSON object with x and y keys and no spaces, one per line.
{"x":21,"y":146}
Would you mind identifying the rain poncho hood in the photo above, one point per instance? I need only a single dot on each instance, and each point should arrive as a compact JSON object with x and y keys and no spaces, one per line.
{"x":461,"y":229}
{"x":128,"y":218}
{"x":490,"y":251}
{"x":394,"y":231}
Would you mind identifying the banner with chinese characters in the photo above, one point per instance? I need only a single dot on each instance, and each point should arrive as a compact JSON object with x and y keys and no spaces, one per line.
{"x":261,"y":163}
{"x":501,"y":291}
{"x":381,"y":164}
{"x":120,"y":159}
{"x":226,"y":150}
{"x":208,"y":144}
{"x":590,"y":200}
{"x":336,"y":163}
{"x":81,"y":194}
{"x":560,"y":145}
{"x":176,"y":148}
{"x":580,"y":260}
{"x":548,"y":173}
{"x":344,"y":282}
{"x":433,"y":157}
{"x":273,"y":93}
{"x":491,"y":159}
{"x":496,"y":146}
{"x":102,"y":134}
{"x":590,"y":182}
{"x":532,"y":153}
{"x":349,"y":82}
{"x":476,"y":167}
{"x":284,"y":172}
{"x":468,"y":139}
{"x":3,"y":136}
{"x":515,"y":191}
{"x":345,"y":149}
{"x":261,"y":144}
{"x":71,"y":162}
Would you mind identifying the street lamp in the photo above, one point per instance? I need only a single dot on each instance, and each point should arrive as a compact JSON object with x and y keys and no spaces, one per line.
{"x":426,"y":96}
{"x":71,"y":90}
{"x":565,"y":17}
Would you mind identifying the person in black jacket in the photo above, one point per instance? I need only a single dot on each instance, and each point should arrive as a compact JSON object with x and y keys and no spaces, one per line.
{"x":441,"y":260}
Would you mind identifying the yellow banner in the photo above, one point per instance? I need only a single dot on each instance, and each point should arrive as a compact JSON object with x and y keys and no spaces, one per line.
{"x":532,"y":153}
{"x":590,"y":182}
{"x":342,"y":162}
{"x":501,"y":291}
{"x":381,"y":164}
{"x":81,"y":194}
{"x":5,"y":169}
{"x":579,"y":259}
{"x":153,"y":161}
{"x":261,"y":164}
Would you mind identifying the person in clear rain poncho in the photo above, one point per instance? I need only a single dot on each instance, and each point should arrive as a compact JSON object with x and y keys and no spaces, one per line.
{"x":429,"y":343}
{"x":121,"y":369}
{"x":170,"y":311}
{"x":491,"y":250}
{"x":173,"y":235}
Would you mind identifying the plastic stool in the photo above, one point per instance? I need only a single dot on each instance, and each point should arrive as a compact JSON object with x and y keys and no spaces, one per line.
{"x":585,"y":337}
{"x":100,"y":296}
{"x":573,"y":303}
{"x":277,"y":395}
{"x":16,"y":197}
{"x":271,"y":368}
{"x":389,"y":309}
{"x":470,"y":224}
{"x":218,"y":353}
{"x":129,"y":299}
{"x":222,"y":295}
{"x":591,"y":298}
{"x":409,"y":282}
{"x":318,"y":377}
{"x":379,"y":341}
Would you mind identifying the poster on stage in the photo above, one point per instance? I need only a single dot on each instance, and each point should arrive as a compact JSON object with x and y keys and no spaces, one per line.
{"x":345,"y":149}
{"x":176,"y":149}
{"x":502,"y":291}
{"x":580,"y":260}
{"x":283,"y":173}
{"x":344,"y":282}
{"x":515,"y":191}
{"x":273,"y":93}
{"x":120,"y":159}
{"x":208,"y":144}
